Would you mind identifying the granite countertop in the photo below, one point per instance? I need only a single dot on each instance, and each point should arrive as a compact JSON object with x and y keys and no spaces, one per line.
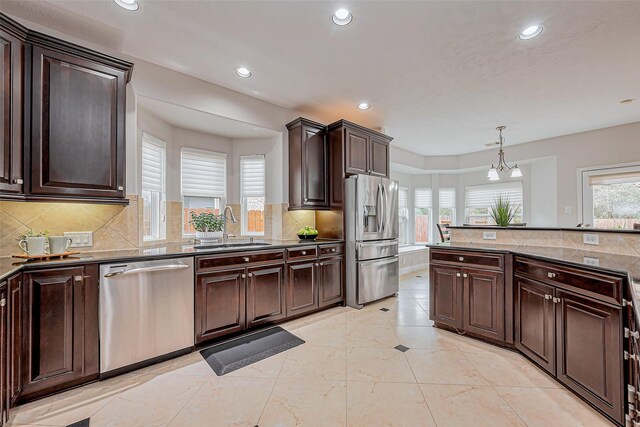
{"x":9,"y":266}
{"x":601,"y":261}
{"x":528,"y":228}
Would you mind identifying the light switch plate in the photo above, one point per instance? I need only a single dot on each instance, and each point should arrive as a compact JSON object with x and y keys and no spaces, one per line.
{"x":591,"y":239}
{"x":567,"y":209}
{"x":489,"y":235}
{"x":80,"y":239}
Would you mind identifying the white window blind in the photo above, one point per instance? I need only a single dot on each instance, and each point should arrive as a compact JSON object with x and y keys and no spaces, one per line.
{"x":403,"y":197}
{"x":204,"y":173}
{"x":614,"y":178}
{"x":252,"y":175}
{"x":153,"y":164}
{"x":447,"y":198}
{"x":482,"y":196}
{"x":423,"y":198}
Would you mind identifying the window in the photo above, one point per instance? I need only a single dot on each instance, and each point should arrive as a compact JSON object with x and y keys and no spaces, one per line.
{"x":403,"y":216}
{"x":422,"y":206}
{"x":204,"y":184}
{"x":479,"y":199}
{"x":613,"y":197}
{"x":153,"y":188}
{"x":447,"y":206}
{"x":252,"y":185}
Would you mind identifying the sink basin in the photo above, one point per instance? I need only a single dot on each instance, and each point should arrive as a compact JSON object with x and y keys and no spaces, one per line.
{"x":230,"y":245}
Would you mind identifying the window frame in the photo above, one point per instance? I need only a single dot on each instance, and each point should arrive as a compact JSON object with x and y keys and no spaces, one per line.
{"x":429,"y":214}
{"x":488,"y":215}
{"x":453,"y":209}
{"x":244,"y":221}
{"x":407,"y":222}
{"x":222,"y":197}
{"x":158,"y":218}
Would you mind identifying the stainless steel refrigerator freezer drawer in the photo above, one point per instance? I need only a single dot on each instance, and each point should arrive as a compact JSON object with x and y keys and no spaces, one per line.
{"x":377,"y":279}
{"x":375,"y":250}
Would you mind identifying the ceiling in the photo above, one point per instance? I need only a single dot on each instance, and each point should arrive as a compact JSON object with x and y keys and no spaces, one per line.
{"x":439,"y":75}
{"x":188,"y":118}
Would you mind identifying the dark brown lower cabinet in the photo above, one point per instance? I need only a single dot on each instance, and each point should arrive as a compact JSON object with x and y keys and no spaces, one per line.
{"x":3,"y":353}
{"x":60,"y":343}
{"x":331,"y":286}
{"x":535,"y":322}
{"x":445,"y":295}
{"x":220,"y":304}
{"x":266,"y":301}
{"x":589,"y":351}
{"x":302,"y":294}
{"x":14,"y":337}
{"x":483,"y":303}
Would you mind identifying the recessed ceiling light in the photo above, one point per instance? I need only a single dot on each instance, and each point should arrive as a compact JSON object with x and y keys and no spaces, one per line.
{"x":531,"y":32}
{"x":363,"y":106}
{"x":626,"y":101}
{"x":128,"y":4}
{"x":243,"y":72}
{"x":342,"y":17}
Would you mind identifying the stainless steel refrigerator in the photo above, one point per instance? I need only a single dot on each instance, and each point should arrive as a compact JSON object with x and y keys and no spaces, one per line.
{"x":371,"y":232}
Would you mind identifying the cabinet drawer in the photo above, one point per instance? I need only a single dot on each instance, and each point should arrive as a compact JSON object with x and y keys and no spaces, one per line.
{"x":467,"y":259}
{"x":302,"y":253}
{"x":601,"y":286}
{"x":330,"y":250}
{"x":212,"y":262}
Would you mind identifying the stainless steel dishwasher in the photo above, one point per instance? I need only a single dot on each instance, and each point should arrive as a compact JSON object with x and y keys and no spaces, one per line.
{"x":146,"y":311}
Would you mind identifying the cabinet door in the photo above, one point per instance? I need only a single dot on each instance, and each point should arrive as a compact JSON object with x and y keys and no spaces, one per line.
{"x":535,"y":322}
{"x":302,"y":292}
{"x":11,"y":81}
{"x":220,"y":304}
{"x":3,"y":351}
{"x":484,"y":303}
{"x":356,"y":152}
{"x":379,"y":157}
{"x":77,"y":127}
{"x":331,"y":286}
{"x":58,"y":329}
{"x":266,"y":300}
{"x":589,"y":349}
{"x":315,"y":171}
{"x":14,"y":337}
{"x":445,"y":295}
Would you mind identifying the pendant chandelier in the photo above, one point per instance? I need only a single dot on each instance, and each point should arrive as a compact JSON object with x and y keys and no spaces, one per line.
{"x":502,"y":166}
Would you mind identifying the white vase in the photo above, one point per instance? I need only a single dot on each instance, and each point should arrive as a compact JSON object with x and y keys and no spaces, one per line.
{"x":208,"y":236}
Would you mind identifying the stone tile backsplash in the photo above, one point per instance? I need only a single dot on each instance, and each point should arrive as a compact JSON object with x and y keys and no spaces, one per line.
{"x":119,"y":227}
{"x":613,"y":243}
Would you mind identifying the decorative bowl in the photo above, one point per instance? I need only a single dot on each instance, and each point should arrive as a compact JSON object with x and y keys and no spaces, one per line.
{"x":307,"y":236}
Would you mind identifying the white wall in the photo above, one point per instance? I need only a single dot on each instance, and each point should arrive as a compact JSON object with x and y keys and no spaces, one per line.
{"x":614,"y":145}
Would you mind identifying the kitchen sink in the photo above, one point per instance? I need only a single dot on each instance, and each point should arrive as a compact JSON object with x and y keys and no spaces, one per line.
{"x":231,"y":245}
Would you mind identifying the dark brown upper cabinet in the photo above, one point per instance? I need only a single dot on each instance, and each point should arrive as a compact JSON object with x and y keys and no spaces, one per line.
{"x":12,"y":64}
{"x":63,"y":120}
{"x":308,"y":165}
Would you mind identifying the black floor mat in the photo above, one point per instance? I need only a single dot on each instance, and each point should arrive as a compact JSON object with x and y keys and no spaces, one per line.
{"x":243,"y":351}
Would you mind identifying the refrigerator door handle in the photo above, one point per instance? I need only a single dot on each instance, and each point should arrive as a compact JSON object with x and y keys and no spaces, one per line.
{"x":384,"y":208}
{"x":379,"y":208}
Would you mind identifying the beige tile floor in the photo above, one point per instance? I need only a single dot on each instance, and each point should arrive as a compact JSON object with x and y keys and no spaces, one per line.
{"x":347,"y":373}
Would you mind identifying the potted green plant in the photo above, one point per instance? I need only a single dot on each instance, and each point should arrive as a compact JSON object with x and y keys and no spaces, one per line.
{"x":502,"y":212}
{"x":33,"y":242}
{"x":208,"y":225}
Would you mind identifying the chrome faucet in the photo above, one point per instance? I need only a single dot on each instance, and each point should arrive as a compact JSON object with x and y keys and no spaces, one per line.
{"x":232,"y":218}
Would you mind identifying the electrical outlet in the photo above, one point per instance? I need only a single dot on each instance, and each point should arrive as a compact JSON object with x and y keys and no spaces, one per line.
{"x":591,"y":239}
{"x":489,"y":235}
{"x":567,"y":209}
{"x":591,"y":261}
{"x":80,"y":239}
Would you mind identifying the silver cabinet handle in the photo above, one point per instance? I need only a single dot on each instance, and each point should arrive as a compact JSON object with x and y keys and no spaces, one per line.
{"x":144,"y":270}
{"x":120,"y":188}
{"x":304,"y":252}
{"x":246,"y":259}
{"x":457,"y":274}
{"x":552,"y":275}
{"x":547,"y":296}
{"x":461,"y":258}
{"x":317,"y":265}
{"x":18,"y":181}
{"x":333,"y":249}
{"x":250,"y":274}
{"x":78,"y":278}
{"x":465,"y":275}
{"x":3,"y":302}
{"x":322,"y":263}
{"x":244,"y":276}
{"x":305,"y":199}
{"x":629,"y":333}
{"x":556,"y":300}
